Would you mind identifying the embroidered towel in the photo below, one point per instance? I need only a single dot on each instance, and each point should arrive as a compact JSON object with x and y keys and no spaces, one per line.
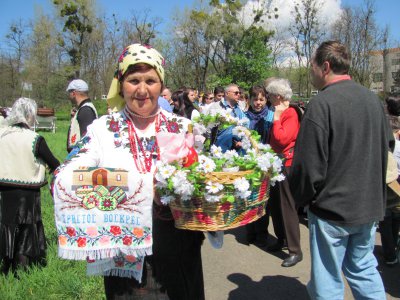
{"x":103,"y":213}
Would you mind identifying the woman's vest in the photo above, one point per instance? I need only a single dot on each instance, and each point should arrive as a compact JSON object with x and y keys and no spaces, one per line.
{"x":75,"y":131}
{"x":19,"y":165}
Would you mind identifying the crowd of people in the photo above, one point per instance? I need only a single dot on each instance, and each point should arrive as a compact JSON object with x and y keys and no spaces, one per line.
{"x":342,"y":192}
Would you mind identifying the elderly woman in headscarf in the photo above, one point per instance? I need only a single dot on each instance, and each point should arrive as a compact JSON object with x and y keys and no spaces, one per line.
{"x":110,"y":179}
{"x":24,"y":156}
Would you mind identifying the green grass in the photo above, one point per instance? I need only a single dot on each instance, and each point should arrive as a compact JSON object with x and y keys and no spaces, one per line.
{"x":60,"y":279}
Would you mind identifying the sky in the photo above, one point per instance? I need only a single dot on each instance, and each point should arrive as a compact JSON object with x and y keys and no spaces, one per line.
{"x":13,"y":10}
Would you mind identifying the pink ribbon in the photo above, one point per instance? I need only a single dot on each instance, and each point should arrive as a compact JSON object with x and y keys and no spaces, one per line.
{"x":174,"y":146}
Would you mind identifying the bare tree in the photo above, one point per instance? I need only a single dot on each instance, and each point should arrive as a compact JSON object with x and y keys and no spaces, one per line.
{"x":306,"y":32}
{"x":357,"y":29}
{"x":13,"y":58}
{"x":140,"y":28}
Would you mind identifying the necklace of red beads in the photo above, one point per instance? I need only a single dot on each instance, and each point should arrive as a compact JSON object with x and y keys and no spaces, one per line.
{"x":143,"y":158}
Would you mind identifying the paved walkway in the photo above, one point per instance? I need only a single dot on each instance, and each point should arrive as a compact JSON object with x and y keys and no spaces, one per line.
{"x":240,"y":272}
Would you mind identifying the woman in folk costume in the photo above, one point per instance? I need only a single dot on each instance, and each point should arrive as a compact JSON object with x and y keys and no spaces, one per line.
{"x":105,"y":205}
{"x":24,"y":156}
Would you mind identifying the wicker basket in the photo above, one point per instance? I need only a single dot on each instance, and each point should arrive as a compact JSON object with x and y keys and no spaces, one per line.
{"x":198,"y":214}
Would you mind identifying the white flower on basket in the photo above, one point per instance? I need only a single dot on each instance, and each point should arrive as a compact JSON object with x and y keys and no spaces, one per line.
{"x":264,"y":147}
{"x":216,"y":151}
{"x":199,"y":129}
{"x":250,"y":154}
{"x":214,"y":187}
{"x":277,"y":178}
{"x":264,"y":161}
{"x":241,"y":184}
{"x":161,"y":181}
{"x":211,"y":198}
{"x":185,"y":190}
{"x":206,"y":165}
{"x":182,"y":186}
{"x":277,"y":164}
{"x":244,"y":122}
{"x":226,"y":114}
{"x":230,"y":155}
{"x":166,"y":170}
{"x":199,"y":143}
{"x":246,"y":144}
{"x":243,"y":195}
{"x":239,"y":131}
{"x":217,"y":111}
{"x":166,"y":199}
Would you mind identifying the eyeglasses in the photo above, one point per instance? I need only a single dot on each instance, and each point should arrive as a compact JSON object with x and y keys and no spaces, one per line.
{"x":210,"y":98}
{"x":236,"y":93}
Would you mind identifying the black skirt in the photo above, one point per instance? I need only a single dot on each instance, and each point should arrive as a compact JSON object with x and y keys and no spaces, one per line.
{"x":21,"y":227}
{"x":177,"y":257}
{"x":175,"y":265}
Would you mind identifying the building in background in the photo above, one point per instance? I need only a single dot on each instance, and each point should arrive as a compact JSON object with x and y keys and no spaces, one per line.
{"x":385,"y":70}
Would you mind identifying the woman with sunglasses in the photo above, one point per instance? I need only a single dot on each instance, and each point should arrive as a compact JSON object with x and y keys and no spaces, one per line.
{"x":206,"y":100}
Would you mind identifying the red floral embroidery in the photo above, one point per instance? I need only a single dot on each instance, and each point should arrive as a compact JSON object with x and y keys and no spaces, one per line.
{"x":81,"y":242}
{"x":113,"y":125}
{"x":115,"y":230}
{"x":119,"y":264}
{"x":73,"y":139}
{"x":173,"y":127}
{"x":71,"y":231}
{"x":127,"y":240}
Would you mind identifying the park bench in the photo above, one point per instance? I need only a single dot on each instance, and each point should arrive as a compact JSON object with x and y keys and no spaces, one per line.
{"x":45,"y":119}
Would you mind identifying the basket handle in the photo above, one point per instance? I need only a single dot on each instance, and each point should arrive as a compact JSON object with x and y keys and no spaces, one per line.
{"x":252,"y":141}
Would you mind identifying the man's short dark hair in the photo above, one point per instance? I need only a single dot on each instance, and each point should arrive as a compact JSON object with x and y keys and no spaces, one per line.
{"x":219,"y":90}
{"x":336,"y":54}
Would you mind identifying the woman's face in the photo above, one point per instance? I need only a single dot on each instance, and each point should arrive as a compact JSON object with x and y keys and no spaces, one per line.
{"x":209,"y":98}
{"x":141,"y":90}
{"x":275,"y":99}
{"x":192,"y":96}
{"x":176,"y":103}
{"x":259,"y":102}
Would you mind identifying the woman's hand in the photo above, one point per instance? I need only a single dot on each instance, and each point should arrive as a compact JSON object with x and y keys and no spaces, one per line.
{"x":279,"y":109}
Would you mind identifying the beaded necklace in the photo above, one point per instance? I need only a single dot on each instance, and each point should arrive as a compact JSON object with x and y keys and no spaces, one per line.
{"x":142,"y":161}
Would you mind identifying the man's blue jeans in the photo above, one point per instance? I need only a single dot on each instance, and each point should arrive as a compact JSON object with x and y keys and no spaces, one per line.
{"x":348,"y":249}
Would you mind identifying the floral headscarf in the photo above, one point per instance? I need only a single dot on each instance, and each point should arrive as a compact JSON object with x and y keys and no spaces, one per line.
{"x":132,"y":55}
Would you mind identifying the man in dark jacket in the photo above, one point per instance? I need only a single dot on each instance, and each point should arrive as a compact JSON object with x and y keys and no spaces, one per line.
{"x":339,"y":172}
